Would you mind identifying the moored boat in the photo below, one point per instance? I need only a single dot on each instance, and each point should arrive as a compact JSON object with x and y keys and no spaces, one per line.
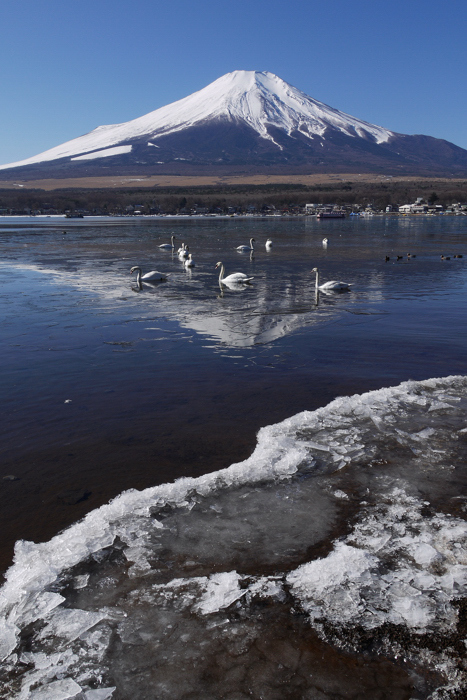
{"x":331,"y":215}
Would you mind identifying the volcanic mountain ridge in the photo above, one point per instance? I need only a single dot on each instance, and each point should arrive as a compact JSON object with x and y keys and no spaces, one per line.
{"x":245,"y":122}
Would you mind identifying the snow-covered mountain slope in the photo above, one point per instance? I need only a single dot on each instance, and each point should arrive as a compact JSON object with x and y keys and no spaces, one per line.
{"x":260,"y":100}
{"x":244,"y":122}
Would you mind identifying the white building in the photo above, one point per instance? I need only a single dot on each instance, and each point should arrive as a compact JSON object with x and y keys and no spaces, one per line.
{"x":416,"y":208}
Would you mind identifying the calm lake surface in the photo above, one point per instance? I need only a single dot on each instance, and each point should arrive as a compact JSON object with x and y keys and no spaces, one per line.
{"x":107,"y":387}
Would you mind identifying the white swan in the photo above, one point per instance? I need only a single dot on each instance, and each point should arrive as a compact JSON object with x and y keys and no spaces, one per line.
{"x":183,"y":252}
{"x":152,"y":276}
{"x":168,"y":246}
{"x":325,"y":242}
{"x":246,"y":248}
{"x":181,"y":249}
{"x":268,"y":244}
{"x":189,"y":262}
{"x":331,"y":285}
{"x":235,"y":278}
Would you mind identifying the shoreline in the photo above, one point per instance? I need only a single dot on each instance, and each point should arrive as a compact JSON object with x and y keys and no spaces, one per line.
{"x":259,"y":217}
{"x":156,"y":181}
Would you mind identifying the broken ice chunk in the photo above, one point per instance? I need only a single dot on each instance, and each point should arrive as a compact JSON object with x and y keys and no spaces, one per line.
{"x":8,"y":638}
{"x":70,"y":624}
{"x":416,"y":612}
{"x":267,"y":588}
{"x":425,"y":554}
{"x":81,"y":581}
{"x":99,"y":694}
{"x":423,"y":434}
{"x":438,"y":406}
{"x":222,"y":590}
{"x":57,"y":690}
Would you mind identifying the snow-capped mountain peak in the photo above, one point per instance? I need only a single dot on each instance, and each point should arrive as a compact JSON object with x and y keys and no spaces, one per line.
{"x":259,"y":100}
{"x":263,"y":99}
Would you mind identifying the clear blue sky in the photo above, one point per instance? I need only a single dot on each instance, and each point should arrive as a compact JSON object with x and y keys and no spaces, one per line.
{"x":67,"y":67}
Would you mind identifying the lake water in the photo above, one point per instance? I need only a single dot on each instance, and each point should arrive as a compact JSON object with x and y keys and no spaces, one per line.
{"x":330,"y":559}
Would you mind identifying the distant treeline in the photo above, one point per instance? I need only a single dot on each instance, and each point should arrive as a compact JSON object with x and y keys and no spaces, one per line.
{"x":225,"y":198}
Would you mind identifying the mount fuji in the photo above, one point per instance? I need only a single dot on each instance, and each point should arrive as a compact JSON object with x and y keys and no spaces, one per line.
{"x":245,"y":122}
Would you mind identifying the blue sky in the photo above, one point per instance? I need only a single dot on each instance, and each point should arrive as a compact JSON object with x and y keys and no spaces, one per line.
{"x":67,"y":67}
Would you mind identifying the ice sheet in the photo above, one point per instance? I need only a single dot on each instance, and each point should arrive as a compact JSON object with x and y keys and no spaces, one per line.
{"x":197,"y":554}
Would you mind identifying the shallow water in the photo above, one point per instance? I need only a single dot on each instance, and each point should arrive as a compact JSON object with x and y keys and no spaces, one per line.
{"x":107,"y":387}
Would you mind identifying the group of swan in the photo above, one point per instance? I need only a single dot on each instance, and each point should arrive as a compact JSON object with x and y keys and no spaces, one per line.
{"x":155,"y":276}
{"x":239,"y":278}
{"x":251,"y":247}
{"x":236,"y":278}
{"x":183,"y":254}
{"x":185,"y":257}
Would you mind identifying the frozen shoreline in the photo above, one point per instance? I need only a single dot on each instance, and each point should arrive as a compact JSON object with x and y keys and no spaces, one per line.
{"x":403,"y":563}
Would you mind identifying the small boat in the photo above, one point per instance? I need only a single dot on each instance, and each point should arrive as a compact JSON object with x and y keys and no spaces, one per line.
{"x":331,"y":215}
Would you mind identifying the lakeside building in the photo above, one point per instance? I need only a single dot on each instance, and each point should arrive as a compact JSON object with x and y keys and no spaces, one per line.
{"x":418,"y":207}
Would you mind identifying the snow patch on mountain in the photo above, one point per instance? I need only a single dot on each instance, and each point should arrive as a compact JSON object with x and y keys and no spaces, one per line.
{"x":259,"y":99}
{"x":117,"y":150}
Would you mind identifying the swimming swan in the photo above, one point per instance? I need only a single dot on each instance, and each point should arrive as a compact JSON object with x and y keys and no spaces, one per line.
{"x":331,"y":285}
{"x":168,"y":246}
{"x":268,"y":244}
{"x":234,"y":278}
{"x":183,"y":251}
{"x":189,"y":262}
{"x":152,"y":276}
{"x":246,"y":248}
